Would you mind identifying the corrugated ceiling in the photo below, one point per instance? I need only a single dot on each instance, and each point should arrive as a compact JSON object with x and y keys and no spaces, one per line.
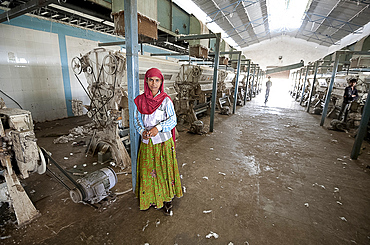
{"x":325,"y":22}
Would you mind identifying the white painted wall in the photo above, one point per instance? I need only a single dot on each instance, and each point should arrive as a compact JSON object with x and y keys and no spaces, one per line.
{"x":30,"y":68}
{"x":293,"y":50}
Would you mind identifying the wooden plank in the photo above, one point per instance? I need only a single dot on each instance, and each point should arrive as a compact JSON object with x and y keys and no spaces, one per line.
{"x":24,"y":209}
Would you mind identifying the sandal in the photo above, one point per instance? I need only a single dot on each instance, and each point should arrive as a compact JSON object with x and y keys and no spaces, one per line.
{"x":168,"y":208}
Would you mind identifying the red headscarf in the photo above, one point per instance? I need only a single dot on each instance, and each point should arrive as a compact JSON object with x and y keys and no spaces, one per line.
{"x":146,"y":103}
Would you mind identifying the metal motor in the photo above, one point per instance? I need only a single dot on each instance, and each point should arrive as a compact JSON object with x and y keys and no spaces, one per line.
{"x":94,"y":186}
{"x":197,"y":127}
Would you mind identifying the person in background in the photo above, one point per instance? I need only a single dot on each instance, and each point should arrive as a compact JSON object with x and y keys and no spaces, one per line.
{"x":350,"y":94}
{"x":158,"y":178}
{"x":268,"y":86}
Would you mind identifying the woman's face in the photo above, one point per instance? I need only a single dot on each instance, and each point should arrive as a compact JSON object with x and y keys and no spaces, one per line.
{"x":154,"y":84}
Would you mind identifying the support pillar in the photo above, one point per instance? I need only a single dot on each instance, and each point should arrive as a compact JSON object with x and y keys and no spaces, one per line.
{"x":313,"y":86}
{"x":246,"y":84}
{"x":330,"y":89}
{"x":254,"y":73}
{"x":299,"y":82}
{"x":361,"y":130}
{"x":237,"y":81}
{"x":259,"y":79}
{"x":132,"y":60}
{"x":215,"y":77}
{"x":304,"y":83}
{"x":295,"y":83}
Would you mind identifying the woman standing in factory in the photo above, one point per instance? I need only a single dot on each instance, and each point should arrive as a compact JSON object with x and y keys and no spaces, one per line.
{"x":158,"y":178}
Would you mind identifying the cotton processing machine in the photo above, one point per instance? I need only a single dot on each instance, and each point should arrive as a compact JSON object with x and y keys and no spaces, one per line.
{"x":225,"y":90}
{"x":356,"y":106}
{"x":249,"y":81}
{"x":19,"y":156}
{"x":225,"y":83}
{"x":194,"y":86}
{"x":194,"y":91}
{"x":318,"y":97}
{"x":241,"y":88}
{"x":169,"y":68}
{"x":105,"y":72}
{"x":359,"y":69}
{"x":105,"y":75}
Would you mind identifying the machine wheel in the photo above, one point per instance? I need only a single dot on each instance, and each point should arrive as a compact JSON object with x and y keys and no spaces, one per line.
{"x":41,"y":169}
{"x":110,"y":64}
{"x":89,"y":70}
{"x":76,"y":65}
{"x":196,"y":71}
{"x":76,"y":195}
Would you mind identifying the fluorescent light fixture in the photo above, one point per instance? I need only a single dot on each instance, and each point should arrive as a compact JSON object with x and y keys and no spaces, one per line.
{"x":108,"y":23}
{"x":76,"y":12}
{"x":286,"y":15}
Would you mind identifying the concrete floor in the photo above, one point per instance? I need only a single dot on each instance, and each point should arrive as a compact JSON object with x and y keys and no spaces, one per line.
{"x":266,"y":175}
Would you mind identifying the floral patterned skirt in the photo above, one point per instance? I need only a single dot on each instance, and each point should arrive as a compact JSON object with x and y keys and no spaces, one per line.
{"x":158,"y":178}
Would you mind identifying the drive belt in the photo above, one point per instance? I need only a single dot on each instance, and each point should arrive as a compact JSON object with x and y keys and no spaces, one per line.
{"x":60,"y":180}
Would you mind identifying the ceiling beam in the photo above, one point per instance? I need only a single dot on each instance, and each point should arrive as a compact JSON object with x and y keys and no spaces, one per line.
{"x":249,"y":24}
{"x":24,"y":9}
{"x":285,"y":68}
{"x":227,"y":13}
{"x":319,"y":37}
{"x":223,"y":14}
{"x":320,"y":19}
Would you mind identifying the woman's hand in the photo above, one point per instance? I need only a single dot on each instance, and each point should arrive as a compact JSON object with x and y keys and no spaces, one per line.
{"x":153,"y":132}
{"x":145,"y":135}
{"x":149,"y":134}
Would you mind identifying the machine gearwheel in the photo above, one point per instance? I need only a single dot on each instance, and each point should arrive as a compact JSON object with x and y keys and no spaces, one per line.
{"x":110,"y":64}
